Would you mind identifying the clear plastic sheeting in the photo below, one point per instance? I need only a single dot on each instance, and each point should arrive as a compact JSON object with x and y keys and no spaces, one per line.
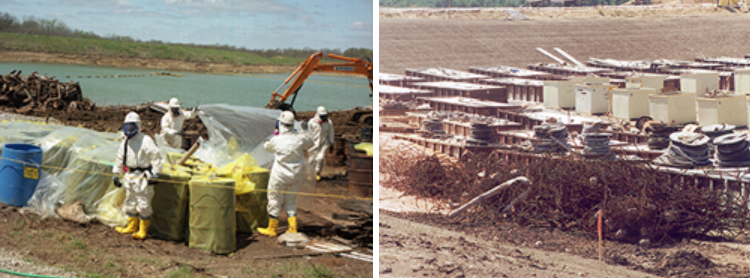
{"x":234,"y":131}
{"x":166,"y":150}
{"x":237,"y":130}
{"x":47,"y":197}
{"x":686,"y":150}
{"x":76,"y":165}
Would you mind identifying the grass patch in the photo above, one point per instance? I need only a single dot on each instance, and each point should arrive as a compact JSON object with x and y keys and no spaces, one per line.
{"x":317,"y":272}
{"x":182,"y":271}
{"x":77,"y":243}
{"x":92,"y":46}
{"x":97,"y":275}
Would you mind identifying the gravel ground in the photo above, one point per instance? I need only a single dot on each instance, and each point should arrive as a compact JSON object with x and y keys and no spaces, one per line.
{"x":13,"y":261}
{"x":17,"y":117}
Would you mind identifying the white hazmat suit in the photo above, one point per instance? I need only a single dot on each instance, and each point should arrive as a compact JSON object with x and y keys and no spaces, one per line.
{"x":142,"y":153}
{"x":171,"y":124}
{"x":286,"y":173}
{"x":322,"y":136}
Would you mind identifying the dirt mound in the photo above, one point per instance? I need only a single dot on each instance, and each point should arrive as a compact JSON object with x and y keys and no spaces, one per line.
{"x":110,"y":119}
{"x":460,"y":44}
{"x":689,"y":261}
{"x":597,"y":12}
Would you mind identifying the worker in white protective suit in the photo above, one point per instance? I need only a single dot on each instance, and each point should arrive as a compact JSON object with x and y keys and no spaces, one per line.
{"x":322,"y":135}
{"x":171,"y":124}
{"x":139,"y":159}
{"x":286,"y":173}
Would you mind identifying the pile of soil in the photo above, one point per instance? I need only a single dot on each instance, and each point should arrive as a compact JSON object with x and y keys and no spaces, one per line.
{"x":419,"y":43}
{"x":676,"y":9}
{"x":110,"y":119}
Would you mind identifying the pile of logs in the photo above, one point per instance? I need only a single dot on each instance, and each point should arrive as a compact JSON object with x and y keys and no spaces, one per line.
{"x":37,"y":92}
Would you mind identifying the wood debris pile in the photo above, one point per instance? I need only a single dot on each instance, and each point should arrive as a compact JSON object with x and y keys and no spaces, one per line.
{"x":37,"y":92}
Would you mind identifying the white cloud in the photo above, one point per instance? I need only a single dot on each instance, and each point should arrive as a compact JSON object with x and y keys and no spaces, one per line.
{"x":359,"y":25}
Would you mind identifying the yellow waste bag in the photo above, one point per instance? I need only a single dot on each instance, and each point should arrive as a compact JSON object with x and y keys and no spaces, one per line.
{"x":239,"y":169}
{"x":366,"y":147}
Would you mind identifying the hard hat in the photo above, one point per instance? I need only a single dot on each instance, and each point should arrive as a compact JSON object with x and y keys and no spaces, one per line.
{"x":174,"y":102}
{"x":133,"y":117}
{"x":322,"y":110}
{"x":286,"y":118}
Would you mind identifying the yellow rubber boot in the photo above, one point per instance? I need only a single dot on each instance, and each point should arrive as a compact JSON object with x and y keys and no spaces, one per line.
{"x":317,"y":177}
{"x":130,"y":228}
{"x":141,"y":234}
{"x":273,"y":226}
{"x":292,"y":225}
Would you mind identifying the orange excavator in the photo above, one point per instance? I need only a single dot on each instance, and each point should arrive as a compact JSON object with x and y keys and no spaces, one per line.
{"x":350,"y":66}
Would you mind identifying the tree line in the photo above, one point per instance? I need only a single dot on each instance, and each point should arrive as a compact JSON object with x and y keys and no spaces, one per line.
{"x":54,"y":27}
{"x":473,"y":3}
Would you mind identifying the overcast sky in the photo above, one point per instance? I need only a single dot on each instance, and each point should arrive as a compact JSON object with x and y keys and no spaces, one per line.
{"x":253,"y":24}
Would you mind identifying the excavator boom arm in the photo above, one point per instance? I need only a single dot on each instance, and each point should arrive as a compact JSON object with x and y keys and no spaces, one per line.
{"x":304,"y":70}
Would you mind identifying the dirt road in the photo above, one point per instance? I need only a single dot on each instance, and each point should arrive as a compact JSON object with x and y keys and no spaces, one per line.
{"x":409,"y":249}
{"x":460,"y":44}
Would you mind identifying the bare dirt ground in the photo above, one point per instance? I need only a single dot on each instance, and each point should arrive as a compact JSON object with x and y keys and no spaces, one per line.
{"x":460,"y":44}
{"x":156,"y":64}
{"x":666,"y":9}
{"x":411,"y":249}
{"x":96,"y":250}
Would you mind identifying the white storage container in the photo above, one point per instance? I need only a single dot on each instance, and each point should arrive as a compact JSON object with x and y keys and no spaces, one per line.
{"x":677,"y":107}
{"x":742,"y":81}
{"x":560,"y":94}
{"x":631,"y":103}
{"x":699,"y":82}
{"x":645,"y":81}
{"x":730,"y":109}
{"x":593,"y":99}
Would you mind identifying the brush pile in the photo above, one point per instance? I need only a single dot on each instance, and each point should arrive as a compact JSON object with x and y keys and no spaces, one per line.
{"x":37,"y":92}
{"x":638,"y":202}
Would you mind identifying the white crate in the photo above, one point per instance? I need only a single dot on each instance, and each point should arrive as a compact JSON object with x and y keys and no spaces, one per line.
{"x":699,"y":82}
{"x":593,"y":99}
{"x":730,"y":109}
{"x":631,"y":103}
{"x":678,"y":107}
{"x":560,"y":94}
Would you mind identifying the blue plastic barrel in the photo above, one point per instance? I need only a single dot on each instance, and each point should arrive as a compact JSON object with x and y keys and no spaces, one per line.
{"x":20,"y":169}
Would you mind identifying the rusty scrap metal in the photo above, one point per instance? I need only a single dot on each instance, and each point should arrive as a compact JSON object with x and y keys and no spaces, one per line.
{"x":38,"y":92}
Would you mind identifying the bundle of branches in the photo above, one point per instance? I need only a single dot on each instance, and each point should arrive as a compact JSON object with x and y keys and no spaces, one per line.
{"x":416,"y":173}
{"x":40,"y":92}
{"x":637,"y":202}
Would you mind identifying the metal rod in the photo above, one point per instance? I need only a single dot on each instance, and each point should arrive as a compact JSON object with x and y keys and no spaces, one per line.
{"x":569,"y":57}
{"x":553,"y":57}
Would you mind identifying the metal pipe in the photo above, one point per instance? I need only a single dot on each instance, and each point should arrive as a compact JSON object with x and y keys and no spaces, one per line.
{"x":569,"y":57}
{"x":553,"y":57}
